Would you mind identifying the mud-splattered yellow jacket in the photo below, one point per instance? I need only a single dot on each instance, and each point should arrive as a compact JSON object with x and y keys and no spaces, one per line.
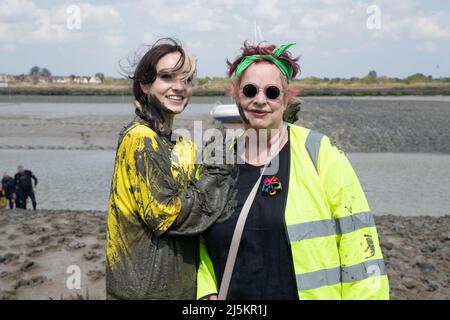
{"x":156,"y":212}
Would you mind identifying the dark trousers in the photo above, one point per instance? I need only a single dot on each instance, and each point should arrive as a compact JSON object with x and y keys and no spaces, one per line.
{"x":22,"y":196}
{"x":10,"y":198}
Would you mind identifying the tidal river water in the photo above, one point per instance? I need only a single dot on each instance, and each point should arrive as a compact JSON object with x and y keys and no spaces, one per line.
{"x":74,"y":162}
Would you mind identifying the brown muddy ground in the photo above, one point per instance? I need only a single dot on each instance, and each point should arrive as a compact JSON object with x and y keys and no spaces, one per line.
{"x":36,"y":250}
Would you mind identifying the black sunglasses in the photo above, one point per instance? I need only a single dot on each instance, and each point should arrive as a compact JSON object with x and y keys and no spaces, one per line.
{"x":271,"y":91}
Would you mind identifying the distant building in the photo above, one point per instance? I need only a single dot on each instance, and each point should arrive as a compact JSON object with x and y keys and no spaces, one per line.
{"x":59,"y":79}
{"x":95,"y":80}
{"x":45,"y":79}
{"x":3,"y":81}
{"x":82,"y":80}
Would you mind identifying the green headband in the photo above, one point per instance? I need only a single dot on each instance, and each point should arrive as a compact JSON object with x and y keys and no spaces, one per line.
{"x":282,"y":64}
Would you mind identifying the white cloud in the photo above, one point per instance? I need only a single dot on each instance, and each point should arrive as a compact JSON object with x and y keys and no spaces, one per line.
{"x":199,"y":16}
{"x":267,"y":9}
{"x":434,"y":26}
{"x":18,"y":10}
{"x":319,"y":27}
{"x":24,"y":22}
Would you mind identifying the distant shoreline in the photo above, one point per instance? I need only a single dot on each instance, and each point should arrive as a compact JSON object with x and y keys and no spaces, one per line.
{"x":196,"y":99}
{"x":124,"y":92}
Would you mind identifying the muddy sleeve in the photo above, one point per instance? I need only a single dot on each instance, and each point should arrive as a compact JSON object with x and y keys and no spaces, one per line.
{"x":206,"y":200}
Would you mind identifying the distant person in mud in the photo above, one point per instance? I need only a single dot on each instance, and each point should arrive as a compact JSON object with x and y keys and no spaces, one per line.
{"x":160,"y":201}
{"x":310,"y":233}
{"x":10,"y":189}
{"x":24,"y":188}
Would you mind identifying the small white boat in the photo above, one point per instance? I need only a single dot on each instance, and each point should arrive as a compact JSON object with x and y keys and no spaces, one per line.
{"x":226,"y":113}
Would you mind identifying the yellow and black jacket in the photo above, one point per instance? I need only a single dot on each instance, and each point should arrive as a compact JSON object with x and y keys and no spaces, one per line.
{"x":157,"y":208}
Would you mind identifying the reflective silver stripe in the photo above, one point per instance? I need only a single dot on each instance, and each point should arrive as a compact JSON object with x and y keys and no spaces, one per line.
{"x":328,"y":227}
{"x":317,"y":279}
{"x":328,"y":277}
{"x":312,"y":145}
{"x":363,"y":271}
{"x":313,"y":229}
{"x":354,"y":222}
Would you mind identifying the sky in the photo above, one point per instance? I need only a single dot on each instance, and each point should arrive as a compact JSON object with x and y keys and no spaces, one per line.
{"x":334,"y":38}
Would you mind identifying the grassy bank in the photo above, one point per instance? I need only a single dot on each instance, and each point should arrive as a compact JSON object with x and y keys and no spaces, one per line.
{"x":216,"y":87}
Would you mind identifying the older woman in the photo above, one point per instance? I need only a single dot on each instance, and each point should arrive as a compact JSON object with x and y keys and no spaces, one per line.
{"x":310,"y":233}
{"x":160,"y":201}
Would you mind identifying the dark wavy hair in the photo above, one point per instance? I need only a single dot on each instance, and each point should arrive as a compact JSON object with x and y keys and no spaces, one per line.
{"x":145,"y":73}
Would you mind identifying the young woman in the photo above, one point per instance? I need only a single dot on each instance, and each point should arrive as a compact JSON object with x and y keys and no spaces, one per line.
{"x":310,"y":233}
{"x":160,"y":200}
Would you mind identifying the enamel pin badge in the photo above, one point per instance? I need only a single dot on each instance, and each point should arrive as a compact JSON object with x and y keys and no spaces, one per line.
{"x":271,"y":186}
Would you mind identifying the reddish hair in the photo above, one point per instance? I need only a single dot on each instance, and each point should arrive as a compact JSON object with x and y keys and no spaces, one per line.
{"x":250,"y":50}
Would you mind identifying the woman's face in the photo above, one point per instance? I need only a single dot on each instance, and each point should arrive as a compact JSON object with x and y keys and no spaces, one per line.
{"x":171,"y":89}
{"x":260,"y":111}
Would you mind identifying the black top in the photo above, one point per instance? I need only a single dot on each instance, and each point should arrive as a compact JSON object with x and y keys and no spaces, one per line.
{"x":23,"y":181}
{"x":264,"y":266}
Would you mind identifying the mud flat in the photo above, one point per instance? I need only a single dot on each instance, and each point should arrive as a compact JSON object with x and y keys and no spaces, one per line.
{"x":36,"y":250}
{"x":363,"y":124}
{"x":41,"y":251}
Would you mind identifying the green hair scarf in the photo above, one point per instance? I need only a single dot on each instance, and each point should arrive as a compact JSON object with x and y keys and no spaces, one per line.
{"x":282,"y":64}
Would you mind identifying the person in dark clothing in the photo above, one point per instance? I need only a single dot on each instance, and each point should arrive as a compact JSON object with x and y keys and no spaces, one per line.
{"x":24,"y":187}
{"x":10,"y":189}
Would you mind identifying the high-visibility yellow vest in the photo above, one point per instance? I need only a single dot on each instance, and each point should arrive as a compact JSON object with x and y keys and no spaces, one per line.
{"x":331,"y":230}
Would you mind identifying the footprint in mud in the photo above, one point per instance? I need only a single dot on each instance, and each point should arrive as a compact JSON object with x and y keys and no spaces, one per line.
{"x":97,"y":246}
{"x":12,"y":237}
{"x":26,"y":229}
{"x":84,"y":137}
{"x":27,"y":265}
{"x":35,"y":253}
{"x":29,"y":282}
{"x":95,"y":275}
{"x":41,"y":241}
{"x":92,"y":256}
{"x":7,"y":258}
{"x":75,"y":245}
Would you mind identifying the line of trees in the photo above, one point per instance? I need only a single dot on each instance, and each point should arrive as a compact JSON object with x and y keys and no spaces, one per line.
{"x":373,"y":77}
{"x":36,"y":72}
